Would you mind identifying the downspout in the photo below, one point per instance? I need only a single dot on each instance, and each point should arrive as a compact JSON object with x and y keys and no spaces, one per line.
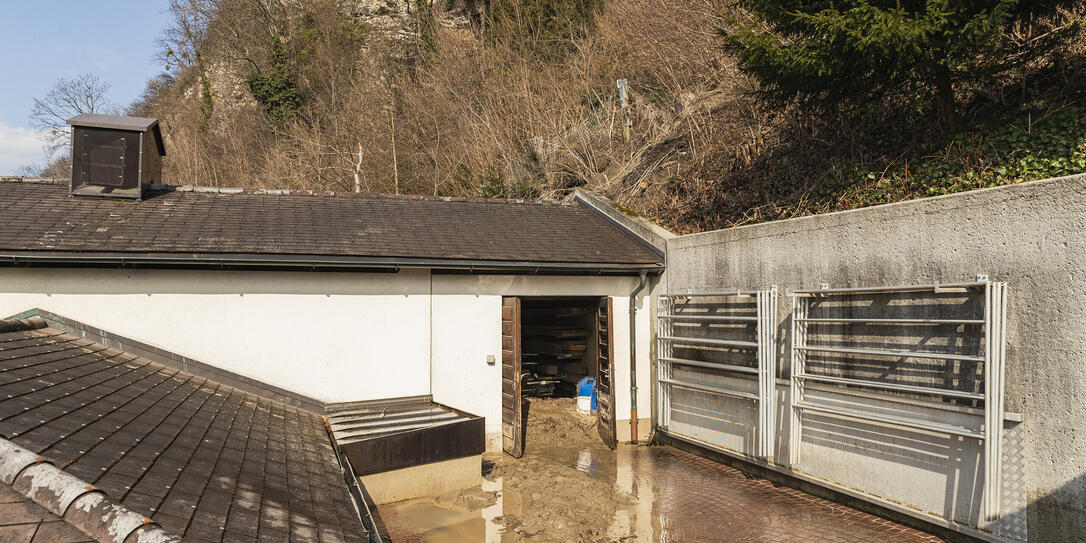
{"x":633,"y":356}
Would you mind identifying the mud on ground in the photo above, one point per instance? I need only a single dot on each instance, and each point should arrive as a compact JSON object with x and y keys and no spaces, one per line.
{"x":564,"y":480}
{"x":561,"y":490}
{"x":555,"y":421}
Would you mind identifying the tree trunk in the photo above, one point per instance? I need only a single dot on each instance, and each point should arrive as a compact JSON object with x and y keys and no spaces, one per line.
{"x":947,"y":103}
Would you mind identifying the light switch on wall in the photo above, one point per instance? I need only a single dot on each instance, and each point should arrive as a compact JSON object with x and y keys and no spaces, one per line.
{"x":490,"y":359}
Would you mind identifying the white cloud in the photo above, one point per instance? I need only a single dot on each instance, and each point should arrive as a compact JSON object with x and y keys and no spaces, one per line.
{"x":19,"y":146}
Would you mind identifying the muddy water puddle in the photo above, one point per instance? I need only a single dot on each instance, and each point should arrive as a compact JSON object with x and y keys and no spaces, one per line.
{"x":553,"y":493}
{"x":568,"y":487}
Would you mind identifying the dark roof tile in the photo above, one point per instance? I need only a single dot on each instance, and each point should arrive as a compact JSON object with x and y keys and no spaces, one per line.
{"x":23,"y":521}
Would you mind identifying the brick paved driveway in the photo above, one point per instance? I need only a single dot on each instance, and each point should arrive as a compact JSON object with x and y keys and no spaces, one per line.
{"x":701,"y":500}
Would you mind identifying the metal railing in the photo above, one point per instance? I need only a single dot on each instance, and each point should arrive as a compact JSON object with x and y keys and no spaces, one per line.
{"x":991,"y":356}
{"x":763,"y":303}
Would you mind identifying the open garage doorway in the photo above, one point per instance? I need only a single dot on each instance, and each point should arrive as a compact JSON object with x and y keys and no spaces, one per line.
{"x":549,"y":344}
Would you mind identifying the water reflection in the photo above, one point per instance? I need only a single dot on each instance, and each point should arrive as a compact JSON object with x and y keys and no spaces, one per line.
{"x":587,"y":463}
{"x":630,"y":494}
{"x":494,"y":513}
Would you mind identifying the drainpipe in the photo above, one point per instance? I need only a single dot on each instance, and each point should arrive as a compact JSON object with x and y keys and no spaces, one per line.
{"x":633,"y":356}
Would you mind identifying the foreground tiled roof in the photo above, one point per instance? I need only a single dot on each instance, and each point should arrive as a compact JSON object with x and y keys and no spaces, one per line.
{"x":41,"y":217}
{"x":23,"y":521}
{"x":203,"y":460}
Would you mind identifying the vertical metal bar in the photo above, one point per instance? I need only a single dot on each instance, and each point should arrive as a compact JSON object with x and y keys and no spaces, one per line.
{"x":994,"y":438}
{"x":663,"y":351}
{"x":666,"y":396}
{"x":656,"y":361}
{"x":668,"y":369}
{"x":660,"y":310}
{"x":799,"y":312}
{"x":1002,"y":350}
{"x":759,"y":429}
{"x":766,"y":375}
{"x":989,"y":510}
{"x":766,"y":372}
{"x":759,"y":328}
{"x":771,"y":373}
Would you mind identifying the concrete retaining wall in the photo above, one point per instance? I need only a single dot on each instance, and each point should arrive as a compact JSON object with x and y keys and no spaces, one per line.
{"x":1031,"y":236}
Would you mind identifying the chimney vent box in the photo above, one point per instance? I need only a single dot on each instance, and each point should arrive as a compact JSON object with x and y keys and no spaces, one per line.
{"x":115,"y":156}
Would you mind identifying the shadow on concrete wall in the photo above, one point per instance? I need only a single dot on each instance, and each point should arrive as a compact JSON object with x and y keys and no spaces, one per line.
{"x":956,"y":459}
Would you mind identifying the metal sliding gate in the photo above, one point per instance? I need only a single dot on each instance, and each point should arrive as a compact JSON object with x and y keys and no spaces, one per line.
{"x":824,"y":332}
{"x":716,"y":355}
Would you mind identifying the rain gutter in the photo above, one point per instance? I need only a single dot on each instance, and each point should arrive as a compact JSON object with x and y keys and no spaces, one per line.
{"x":315,"y":263}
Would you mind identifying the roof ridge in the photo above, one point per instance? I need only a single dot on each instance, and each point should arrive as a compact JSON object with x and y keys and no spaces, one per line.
{"x":19,"y":325}
{"x":371,"y":195}
{"x":33,"y":180}
{"x":75,"y":501}
{"x":157,"y":187}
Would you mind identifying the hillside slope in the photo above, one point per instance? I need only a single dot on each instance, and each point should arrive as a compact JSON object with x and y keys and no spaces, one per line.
{"x":519,"y":99}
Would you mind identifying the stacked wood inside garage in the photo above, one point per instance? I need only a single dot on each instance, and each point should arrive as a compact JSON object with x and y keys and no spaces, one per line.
{"x":559,"y":346}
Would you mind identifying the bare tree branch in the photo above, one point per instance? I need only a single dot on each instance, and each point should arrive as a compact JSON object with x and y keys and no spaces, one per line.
{"x":69,"y":97}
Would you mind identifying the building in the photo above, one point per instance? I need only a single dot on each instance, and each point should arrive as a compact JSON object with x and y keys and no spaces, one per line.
{"x":326,"y":299}
{"x":954,"y":406}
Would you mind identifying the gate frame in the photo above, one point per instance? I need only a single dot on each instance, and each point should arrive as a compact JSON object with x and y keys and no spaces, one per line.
{"x":994,"y":322}
{"x":765,"y":346}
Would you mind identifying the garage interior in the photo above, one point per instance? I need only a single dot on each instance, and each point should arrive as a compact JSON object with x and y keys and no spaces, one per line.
{"x":559,"y":345}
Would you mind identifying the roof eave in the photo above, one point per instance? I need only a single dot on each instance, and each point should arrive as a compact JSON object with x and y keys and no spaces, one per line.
{"x":316,"y":262}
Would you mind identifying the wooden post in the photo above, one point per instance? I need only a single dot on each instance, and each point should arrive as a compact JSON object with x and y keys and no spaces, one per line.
{"x":395,"y":165}
{"x":358,"y":170}
{"x":622,"y":95}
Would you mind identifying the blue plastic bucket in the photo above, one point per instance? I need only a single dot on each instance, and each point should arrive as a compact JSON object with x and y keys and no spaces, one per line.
{"x":587,"y":387}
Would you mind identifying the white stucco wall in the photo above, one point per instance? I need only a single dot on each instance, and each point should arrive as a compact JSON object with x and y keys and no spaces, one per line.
{"x":334,"y":337}
{"x":331,"y":336}
{"x":467,"y":328}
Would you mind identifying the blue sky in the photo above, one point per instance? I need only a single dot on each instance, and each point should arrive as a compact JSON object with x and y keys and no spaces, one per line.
{"x":43,"y":40}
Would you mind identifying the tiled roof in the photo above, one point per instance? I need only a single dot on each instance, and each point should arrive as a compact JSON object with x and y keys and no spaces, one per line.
{"x":23,"y":521}
{"x":41,"y":502}
{"x":41,"y":217}
{"x":203,"y":460}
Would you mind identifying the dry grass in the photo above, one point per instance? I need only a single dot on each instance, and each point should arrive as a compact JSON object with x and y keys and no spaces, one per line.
{"x":473,"y":116}
{"x":485,"y":114}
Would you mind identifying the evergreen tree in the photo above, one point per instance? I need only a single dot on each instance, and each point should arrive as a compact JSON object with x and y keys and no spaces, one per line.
{"x":828,"y":54}
{"x":277,"y":89}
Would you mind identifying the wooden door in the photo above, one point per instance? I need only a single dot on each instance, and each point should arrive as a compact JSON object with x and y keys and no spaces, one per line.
{"x":605,"y":400}
{"x":512,"y":403}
